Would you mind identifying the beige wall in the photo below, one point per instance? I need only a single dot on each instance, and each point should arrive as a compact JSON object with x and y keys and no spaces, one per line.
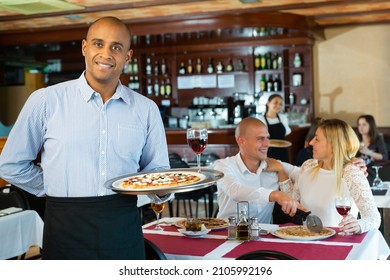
{"x":351,"y":73}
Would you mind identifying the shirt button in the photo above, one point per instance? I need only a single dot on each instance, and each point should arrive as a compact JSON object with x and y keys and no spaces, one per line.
{"x":103,"y":131}
{"x":103,"y":173}
{"x":103,"y":152}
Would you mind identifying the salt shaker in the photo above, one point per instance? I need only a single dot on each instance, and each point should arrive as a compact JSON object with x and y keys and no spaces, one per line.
{"x":232,"y":228}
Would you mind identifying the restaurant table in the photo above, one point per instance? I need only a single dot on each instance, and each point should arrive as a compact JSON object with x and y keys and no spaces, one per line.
{"x":383,"y":201}
{"x":18,"y":232}
{"x":215,"y":246}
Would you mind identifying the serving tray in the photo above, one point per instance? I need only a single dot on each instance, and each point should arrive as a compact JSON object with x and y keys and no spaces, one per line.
{"x":208,"y":177}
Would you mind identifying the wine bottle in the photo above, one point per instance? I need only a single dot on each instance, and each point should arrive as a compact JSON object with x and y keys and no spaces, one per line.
{"x":163,"y":67}
{"x":135,"y":66}
{"x":182,"y":69}
{"x":263,"y":83}
{"x":210,"y":67}
{"x":148,"y":68}
{"x":189,"y":66}
{"x":168,"y":87}
{"x":219,"y":67}
{"x":199,"y":65}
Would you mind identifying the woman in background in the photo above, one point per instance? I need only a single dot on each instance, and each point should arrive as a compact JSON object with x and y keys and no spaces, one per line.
{"x":372,"y":144}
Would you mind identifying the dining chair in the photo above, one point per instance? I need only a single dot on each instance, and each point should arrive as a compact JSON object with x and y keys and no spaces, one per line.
{"x":11,"y":196}
{"x":152,"y":251}
{"x":187,"y":198}
{"x":265,"y":255}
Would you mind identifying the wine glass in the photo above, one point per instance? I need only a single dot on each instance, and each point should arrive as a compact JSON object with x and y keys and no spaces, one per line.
{"x":343,"y":206}
{"x":197,"y":140}
{"x":377,"y":183}
{"x":158,"y":208}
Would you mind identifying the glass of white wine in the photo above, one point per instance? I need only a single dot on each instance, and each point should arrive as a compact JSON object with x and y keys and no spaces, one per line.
{"x":157,"y":209}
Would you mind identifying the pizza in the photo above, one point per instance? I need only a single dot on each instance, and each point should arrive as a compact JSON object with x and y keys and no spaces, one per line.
{"x":302,"y":231}
{"x":162,"y":179}
{"x":209,"y":223}
{"x":279,"y":143}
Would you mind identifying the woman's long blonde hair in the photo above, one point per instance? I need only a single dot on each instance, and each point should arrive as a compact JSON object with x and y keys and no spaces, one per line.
{"x":343,"y":142}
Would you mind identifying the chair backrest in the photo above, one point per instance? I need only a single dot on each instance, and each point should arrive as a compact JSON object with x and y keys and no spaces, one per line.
{"x":11,"y":196}
{"x":5,"y":130}
{"x":265,"y":255}
{"x":152,"y":251}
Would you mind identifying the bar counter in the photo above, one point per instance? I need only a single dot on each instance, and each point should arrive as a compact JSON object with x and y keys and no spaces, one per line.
{"x":222,"y":142}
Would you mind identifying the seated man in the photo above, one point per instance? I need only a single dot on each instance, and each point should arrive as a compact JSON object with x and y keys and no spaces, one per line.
{"x":245,"y":180}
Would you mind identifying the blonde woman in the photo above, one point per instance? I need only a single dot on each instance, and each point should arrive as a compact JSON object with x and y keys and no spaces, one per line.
{"x":319,"y":179}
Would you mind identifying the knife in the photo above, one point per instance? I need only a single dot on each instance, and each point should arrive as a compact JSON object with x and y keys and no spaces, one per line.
{"x":312,"y":222}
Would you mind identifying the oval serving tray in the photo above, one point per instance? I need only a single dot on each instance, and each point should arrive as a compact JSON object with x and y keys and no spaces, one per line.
{"x":209,"y":177}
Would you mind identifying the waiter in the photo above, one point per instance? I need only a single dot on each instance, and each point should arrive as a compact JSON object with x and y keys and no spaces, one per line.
{"x":88,"y":130}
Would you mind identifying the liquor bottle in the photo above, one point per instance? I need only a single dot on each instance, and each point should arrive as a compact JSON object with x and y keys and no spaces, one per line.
{"x":149,"y":87}
{"x":136,"y":83}
{"x":229,"y":67}
{"x":243,"y":226}
{"x":148,"y":67}
{"x":254,"y":228}
{"x":219,"y":67}
{"x":257,"y":62}
{"x":232,"y":228}
{"x":199,"y":65}
{"x":268,"y":57}
{"x":210,"y":67}
{"x":263,"y":83}
{"x":162,"y":88}
{"x":270,"y":83}
{"x":189,"y":66}
{"x":156,"y":88}
{"x":182,"y":69}
{"x":135,"y":66}
{"x":168,"y":87}
{"x":275,"y":61}
{"x":163,"y":67}
{"x":131,"y":82}
{"x":240,"y":65}
{"x":280,"y":61}
{"x":277,"y":85}
{"x":297,"y":60}
{"x":263,"y":61}
{"x":156,"y":68}
{"x":129,"y":68}
{"x":291,"y":98}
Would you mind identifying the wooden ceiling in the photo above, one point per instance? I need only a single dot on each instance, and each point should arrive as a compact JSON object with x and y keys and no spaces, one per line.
{"x":318,"y":14}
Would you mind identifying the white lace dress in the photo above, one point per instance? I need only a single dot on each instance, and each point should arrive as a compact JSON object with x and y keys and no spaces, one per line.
{"x":317,"y":193}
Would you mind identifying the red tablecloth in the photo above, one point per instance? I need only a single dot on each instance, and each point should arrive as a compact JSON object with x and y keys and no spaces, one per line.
{"x":183,"y":245}
{"x":301,"y":251}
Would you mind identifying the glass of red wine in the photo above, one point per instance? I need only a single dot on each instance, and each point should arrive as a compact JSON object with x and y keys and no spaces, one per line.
{"x":343,"y":206}
{"x":197,"y":140}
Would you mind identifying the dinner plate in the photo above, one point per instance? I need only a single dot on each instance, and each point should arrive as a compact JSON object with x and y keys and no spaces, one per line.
{"x":276,"y":143}
{"x":193,"y":234}
{"x":180,"y":224}
{"x":207,"y":176}
{"x":303,"y":238}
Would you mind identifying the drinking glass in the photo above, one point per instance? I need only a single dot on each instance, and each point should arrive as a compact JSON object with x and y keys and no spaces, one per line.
{"x":157,"y":209}
{"x":377,"y":183}
{"x":343,"y":206}
{"x":197,"y":140}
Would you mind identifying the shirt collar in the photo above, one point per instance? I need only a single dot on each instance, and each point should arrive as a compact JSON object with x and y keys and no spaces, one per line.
{"x":88,"y":93}
{"x":243,"y":168}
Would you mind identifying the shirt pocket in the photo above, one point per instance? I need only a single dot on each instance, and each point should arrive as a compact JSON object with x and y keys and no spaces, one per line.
{"x":131,"y":140}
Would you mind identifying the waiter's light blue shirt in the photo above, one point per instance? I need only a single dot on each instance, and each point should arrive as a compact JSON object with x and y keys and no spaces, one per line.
{"x":83,"y":142}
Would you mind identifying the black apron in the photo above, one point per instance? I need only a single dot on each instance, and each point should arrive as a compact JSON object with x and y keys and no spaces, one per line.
{"x":278,"y":131}
{"x":92,"y":228}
